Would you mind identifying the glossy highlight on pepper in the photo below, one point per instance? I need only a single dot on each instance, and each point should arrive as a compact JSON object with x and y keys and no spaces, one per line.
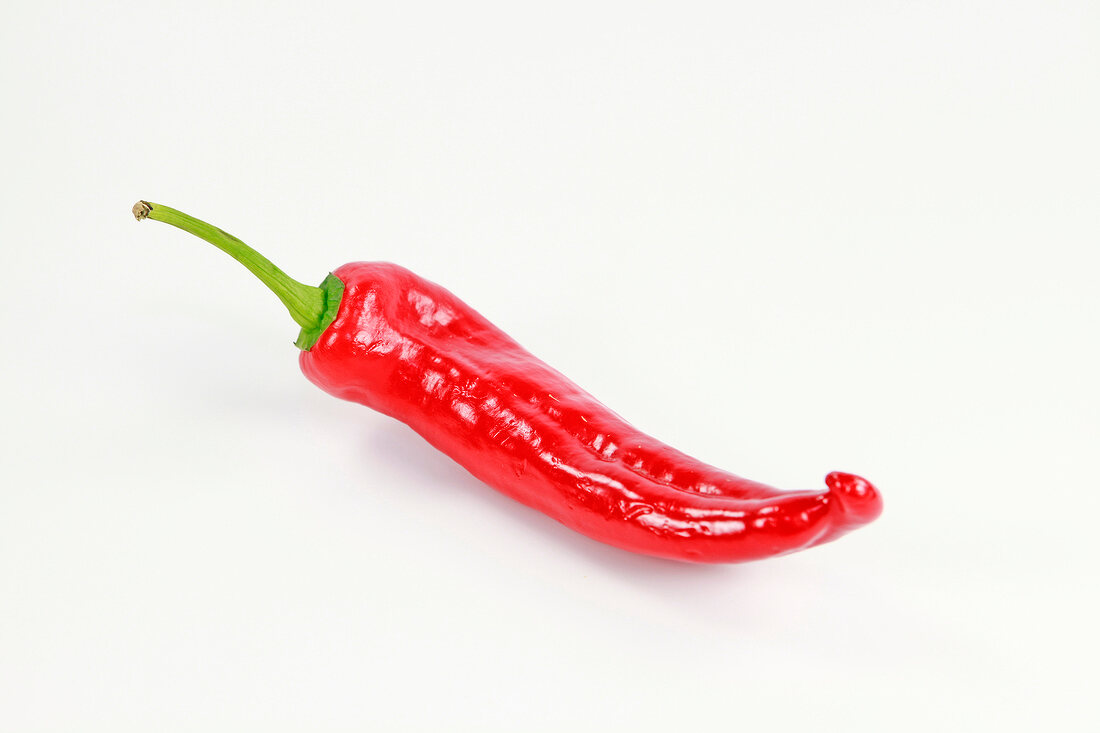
{"x":377,"y":334}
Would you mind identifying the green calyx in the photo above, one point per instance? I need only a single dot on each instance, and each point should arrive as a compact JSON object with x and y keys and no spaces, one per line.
{"x":332,"y":291}
{"x":312,"y":308}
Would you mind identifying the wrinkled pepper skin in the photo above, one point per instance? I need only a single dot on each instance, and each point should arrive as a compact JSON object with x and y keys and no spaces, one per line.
{"x":410,"y":349}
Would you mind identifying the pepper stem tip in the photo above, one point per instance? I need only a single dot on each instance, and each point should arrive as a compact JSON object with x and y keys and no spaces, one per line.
{"x":142,"y":210}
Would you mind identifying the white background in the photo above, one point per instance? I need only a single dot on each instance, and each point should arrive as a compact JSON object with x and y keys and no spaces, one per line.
{"x":786,"y":238}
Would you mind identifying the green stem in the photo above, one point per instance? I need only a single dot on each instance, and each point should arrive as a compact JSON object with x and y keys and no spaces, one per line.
{"x":312,"y":308}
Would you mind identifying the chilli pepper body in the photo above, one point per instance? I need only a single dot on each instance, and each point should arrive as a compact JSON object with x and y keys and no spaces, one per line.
{"x":393,"y":341}
{"x":410,"y":349}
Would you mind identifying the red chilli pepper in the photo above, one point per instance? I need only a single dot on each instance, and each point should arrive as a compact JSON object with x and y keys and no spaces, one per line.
{"x":377,"y":334}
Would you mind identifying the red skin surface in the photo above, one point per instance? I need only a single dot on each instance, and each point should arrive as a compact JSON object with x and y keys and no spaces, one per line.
{"x":412,"y":350}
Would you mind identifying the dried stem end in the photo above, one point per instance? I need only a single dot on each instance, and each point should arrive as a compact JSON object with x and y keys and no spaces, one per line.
{"x":142,"y":209}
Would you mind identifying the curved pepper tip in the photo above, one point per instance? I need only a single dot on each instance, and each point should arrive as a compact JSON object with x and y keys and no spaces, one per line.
{"x":859,"y":499}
